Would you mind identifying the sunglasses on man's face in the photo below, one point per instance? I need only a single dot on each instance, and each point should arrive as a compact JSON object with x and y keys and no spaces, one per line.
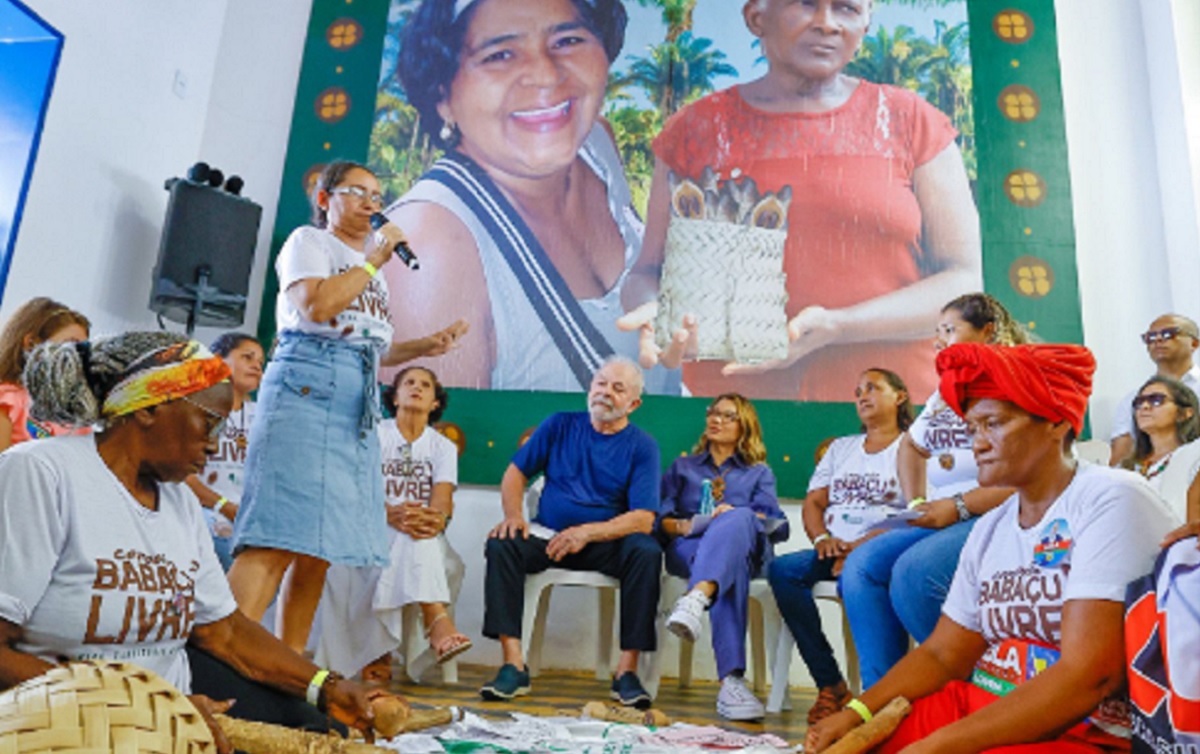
{"x":1153,"y":400}
{"x":1165,"y":334}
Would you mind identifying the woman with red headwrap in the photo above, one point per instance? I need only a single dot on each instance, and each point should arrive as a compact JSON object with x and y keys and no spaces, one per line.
{"x":1029,"y":649}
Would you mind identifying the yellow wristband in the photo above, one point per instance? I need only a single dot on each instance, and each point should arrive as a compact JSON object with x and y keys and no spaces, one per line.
{"x":221,"y":503}
{"x":313,"y":695}
{"x":371,"y":269}
{"x":861,"y":709}
{"x":915,"y":502}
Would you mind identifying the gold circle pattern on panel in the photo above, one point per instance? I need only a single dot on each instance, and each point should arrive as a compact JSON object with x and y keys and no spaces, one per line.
{"x":1013,"y":26}
{"x":1019,"y":103}
{"x":332,"y":104}
{"x":1031,"y":276}
{"x":344,"y":33}
{"x":1025,"y":188}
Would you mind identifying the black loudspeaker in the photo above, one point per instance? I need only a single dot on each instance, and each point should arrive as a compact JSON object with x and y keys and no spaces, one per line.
{"x":203,"y":272}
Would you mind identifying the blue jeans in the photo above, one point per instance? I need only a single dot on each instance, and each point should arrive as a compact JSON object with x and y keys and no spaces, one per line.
{"x":894,"y":586}
{"x":792,"y":578}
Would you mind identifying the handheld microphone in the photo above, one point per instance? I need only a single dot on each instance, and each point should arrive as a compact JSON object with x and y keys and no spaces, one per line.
{"x":378,"y":220}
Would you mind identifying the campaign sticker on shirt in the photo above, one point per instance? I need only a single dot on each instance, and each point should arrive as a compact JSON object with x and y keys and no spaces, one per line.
{"x":1054,"y":545}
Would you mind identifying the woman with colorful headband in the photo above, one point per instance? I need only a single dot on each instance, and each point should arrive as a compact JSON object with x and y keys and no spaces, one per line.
{"x":312,"y":495}
{"x":35,"y":322}
{"x":1029,"y":651}
{"x":106,"y":555}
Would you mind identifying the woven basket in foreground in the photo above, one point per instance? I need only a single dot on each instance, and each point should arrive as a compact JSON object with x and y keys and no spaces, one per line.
{"x":101,"y":707}
{"x":730,"y":277}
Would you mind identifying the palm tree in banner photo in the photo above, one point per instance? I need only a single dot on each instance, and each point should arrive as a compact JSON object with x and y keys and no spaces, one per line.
{"x":891,"y":56}
{"x":680,"y":71}
{"x":676,"y":14}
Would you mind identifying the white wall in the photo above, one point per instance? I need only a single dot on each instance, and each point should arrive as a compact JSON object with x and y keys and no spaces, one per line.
{"x":1137,"y":245}
{"x":115,"y":130}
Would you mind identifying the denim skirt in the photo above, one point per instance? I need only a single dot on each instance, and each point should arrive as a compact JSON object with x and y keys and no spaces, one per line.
{"x":313,"y":479}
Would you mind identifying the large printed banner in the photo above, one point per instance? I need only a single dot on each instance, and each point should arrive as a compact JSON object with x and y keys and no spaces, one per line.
{"x":784,"y":194}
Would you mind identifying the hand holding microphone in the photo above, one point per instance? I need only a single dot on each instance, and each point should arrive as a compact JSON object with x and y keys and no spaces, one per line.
{"x":382,"y":225}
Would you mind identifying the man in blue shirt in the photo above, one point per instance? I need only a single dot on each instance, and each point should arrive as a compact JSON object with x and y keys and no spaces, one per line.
{"x":595,"y":514}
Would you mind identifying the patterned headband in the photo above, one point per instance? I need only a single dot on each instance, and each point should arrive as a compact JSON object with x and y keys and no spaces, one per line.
{"x":462,"y":5}
{"x":164,"y":375}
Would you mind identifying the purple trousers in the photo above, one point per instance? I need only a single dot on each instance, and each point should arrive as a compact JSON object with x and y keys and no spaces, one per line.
{"x":729,"y":553}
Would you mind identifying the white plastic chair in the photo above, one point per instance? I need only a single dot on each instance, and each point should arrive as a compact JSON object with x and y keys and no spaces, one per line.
{"x":419,"y":659}
{"x":786,"y":646}
{"x":538,"y":587}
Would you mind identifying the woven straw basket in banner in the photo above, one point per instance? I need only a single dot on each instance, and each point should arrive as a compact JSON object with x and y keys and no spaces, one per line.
{"x":101,"y":707}
{"x":730,"y":277}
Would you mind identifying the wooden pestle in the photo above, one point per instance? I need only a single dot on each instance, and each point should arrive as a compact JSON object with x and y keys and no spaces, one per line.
{"x":873,"y":732}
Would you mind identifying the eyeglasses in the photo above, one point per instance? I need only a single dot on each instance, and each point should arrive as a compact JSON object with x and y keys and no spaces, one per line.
{"x":216,"y":421}
{"x":726,"y":416}
{"x":359,"y":192}
{"x":1165,"y":334}
{"x":1153,"y":400}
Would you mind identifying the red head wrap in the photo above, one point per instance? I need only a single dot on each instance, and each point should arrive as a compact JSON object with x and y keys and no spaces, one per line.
{"x":1047,"y":380}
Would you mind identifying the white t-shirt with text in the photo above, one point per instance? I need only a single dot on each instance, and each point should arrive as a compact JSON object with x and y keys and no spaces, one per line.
{"x":314,"y":253}
{"x":225,"y":471}
{"x":90,"y":573}
{"x":941,"y":433}
{"x":411,"y":469}
{"x":863,"y":487}
{"x":1102,"y":532}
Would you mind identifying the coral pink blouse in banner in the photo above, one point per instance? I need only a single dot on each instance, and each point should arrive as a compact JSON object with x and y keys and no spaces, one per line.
{"x":854,"y":224}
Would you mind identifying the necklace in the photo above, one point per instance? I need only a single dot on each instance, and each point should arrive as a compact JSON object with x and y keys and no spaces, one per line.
{"x":241,"y":440}
{"x":1150,"y":471}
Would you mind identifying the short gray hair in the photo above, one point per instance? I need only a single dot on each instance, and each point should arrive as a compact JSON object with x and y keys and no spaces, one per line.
{"x":639,"y":379}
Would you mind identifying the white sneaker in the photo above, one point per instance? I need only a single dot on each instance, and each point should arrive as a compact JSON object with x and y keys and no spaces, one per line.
{"x":736,"y":702}
{"x":688,"y":615}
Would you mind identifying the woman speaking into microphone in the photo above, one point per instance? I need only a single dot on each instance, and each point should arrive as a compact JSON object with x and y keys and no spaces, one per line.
{"x":313,"y":492}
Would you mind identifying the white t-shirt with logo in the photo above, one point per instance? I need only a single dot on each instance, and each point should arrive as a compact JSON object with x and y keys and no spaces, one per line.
{"x":90,"y":573}
{"x":411,"y":469}
{"x":863,"y":487}
{"x":361,"y":614}
{"x":1101,"y":533}
{"x":225,"y":471}
{"x":314,"y":253}
{"x":941,"y":433}
{"x":1123,"y":416}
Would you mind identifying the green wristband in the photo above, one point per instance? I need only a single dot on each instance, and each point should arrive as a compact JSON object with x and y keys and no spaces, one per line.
{"x":861,"y":709}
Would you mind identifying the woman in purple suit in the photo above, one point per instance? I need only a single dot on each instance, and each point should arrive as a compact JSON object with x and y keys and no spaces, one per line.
{"x":721,"y":516}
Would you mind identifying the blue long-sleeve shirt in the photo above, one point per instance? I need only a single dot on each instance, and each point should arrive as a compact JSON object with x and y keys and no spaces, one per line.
{"x":745,"y":486}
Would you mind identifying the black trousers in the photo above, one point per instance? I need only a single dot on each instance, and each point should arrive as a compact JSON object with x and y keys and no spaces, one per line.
{"x":635,"y":560}
{"x":255,"y":702}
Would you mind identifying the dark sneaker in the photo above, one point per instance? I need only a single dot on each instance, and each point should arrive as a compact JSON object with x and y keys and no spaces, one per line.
{"x":628,"y":691}
{"x":508,"y":683}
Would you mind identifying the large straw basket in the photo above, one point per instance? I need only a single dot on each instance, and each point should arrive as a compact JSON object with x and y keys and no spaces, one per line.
{"x":730,"y":277}
{"x":101,"y":707}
